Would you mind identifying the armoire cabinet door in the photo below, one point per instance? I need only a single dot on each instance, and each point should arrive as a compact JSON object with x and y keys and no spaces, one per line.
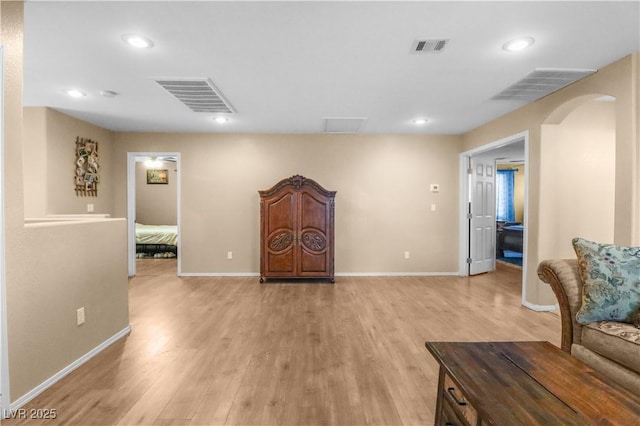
{"x":313,"y":231}
{"x":280,"y":233}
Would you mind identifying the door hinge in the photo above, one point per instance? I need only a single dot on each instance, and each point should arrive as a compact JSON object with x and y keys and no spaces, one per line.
{"x":469,"y":261}
{"x":469,"y":171}
{"x":469,"y":216}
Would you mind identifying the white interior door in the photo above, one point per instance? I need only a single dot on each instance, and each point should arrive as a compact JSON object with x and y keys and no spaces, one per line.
{"x":482,"y":226}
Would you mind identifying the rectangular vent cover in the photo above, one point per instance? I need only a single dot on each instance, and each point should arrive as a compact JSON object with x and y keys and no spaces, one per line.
{"x":343,"y":125}
{"x":541,"y":82}
{"x":200,"y":95}
{"x":429,"y":45}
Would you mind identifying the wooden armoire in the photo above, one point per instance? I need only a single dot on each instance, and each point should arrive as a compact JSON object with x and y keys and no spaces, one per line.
{"x":296,"y":230}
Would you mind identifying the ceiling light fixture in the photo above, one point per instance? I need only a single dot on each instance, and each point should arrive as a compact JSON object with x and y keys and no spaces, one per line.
{"x":137,"y":41}
{"x":75,"y":93}
{"x":419,"y":121}
{"x":518,"y":44}
{"x":152,"y":162}
{"x":221,"y":120}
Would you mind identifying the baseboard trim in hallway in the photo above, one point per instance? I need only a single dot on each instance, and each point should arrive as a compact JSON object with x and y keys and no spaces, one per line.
{"x":68,"y":369}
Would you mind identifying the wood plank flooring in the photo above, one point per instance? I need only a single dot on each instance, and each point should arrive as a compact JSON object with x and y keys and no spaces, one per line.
{"x":218,"y":351}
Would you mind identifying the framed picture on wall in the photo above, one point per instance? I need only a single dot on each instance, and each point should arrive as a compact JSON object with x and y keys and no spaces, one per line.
{"x":157,"y":177}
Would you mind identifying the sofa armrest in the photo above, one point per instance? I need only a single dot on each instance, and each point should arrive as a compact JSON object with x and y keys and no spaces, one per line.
{"x":564,"y":277}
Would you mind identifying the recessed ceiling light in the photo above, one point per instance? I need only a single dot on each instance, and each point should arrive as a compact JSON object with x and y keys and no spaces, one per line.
{"x":75,"y":93}
{"x":221,"y":120}
{"x":137,"y":41}
{"x":518,"y":44}
{"x":419,"y":121}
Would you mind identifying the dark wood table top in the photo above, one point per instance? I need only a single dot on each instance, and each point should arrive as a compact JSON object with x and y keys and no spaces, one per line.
{"x":512,"y":383}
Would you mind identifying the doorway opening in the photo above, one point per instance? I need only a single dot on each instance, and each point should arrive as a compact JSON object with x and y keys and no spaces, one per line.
{"x":153,"y":207}
{"x":482,"y":236}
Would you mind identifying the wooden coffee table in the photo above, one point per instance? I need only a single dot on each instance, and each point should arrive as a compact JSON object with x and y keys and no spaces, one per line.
{"x":525,"y":383}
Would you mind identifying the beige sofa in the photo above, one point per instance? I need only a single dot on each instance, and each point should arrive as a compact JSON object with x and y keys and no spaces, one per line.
{"x":612,"y":348}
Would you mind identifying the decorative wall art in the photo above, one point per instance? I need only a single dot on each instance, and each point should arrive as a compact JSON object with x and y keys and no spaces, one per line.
{"x":157,"y":177}
{"x":87,"y":168}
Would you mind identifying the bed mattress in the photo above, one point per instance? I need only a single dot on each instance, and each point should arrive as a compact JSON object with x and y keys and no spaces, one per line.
{"x":156,"y":234}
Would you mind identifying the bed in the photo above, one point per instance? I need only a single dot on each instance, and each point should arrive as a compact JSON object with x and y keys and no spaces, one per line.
{"x":510,"y":240}
{"x":154,"y":240}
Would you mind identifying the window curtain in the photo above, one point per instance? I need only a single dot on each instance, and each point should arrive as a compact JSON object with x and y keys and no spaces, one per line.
{"x":505,"y":209}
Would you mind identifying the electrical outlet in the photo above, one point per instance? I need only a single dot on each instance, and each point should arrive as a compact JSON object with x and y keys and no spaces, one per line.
{"x":80,"y":316}
{"x":90,"y":208}
{"x":406,"y":254}
{"x":229,"y":255}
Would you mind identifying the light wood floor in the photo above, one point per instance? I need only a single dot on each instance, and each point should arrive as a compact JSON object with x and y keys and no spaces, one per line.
{"x":215,"y":351}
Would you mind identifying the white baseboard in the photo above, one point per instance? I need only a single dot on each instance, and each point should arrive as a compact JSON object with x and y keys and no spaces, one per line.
{"x":68,"y":369}
{"x":540,"y":308}
{"x":395,"y":274}
{"x":218,"y":274}
{"x":339,"y":274}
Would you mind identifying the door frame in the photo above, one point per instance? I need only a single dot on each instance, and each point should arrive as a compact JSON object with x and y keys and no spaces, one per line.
{"x":131,"y":206}
{"x":464,"y":194}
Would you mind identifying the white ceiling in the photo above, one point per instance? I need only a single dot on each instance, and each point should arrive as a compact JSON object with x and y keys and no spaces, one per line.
{"x":286,"y":66}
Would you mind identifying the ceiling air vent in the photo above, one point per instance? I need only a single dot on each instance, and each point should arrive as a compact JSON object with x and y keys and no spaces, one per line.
{"x":541,"y":82}
{"x":429,"y":45}
{"x":200,"y":95}
{"x":343,"y":125}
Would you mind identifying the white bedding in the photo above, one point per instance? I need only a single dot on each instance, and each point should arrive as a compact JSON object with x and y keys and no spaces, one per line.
{"x":156,"y":234}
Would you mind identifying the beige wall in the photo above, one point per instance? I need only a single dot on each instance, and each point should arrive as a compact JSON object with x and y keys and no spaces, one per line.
{"x":35,"y":155}
{"x":62,"y":132}
{"x":220,"y":201}
{"x":90,"y":272}
{"x":44,"y":284}
{"x":382,"y":205}
{"x":577,"y":175}
{"x":49,"y":158}
{"x":11,"y":24}
{"x":620,"y":80}
{"x":157,"y":204}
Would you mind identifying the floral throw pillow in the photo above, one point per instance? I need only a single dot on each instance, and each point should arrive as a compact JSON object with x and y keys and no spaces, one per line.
{"x":611,"y":278}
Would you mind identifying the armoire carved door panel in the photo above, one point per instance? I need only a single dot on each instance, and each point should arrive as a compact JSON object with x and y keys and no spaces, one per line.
{"x":280,"y":235}
{"x":314,"y":228}
{"x":297,"y":228}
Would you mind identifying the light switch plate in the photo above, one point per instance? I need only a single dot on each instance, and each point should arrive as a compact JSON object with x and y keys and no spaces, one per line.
{"x":80,"y":316}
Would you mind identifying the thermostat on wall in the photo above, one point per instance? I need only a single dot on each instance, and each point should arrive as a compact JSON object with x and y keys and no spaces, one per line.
{"x":434,"y":187}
